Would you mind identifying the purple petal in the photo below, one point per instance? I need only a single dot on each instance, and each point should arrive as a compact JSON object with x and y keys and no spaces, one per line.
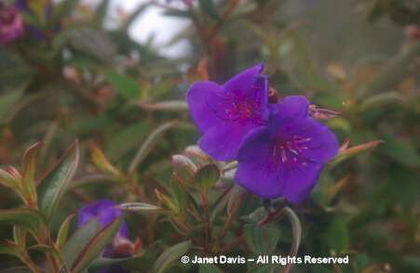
{"x":323,"y":145}
{"x":198,"y":98}
{"x":260,"y":174}
{"x":242,"y":83}
{"x":223,"y":142}
{"x":292,"y":107}
{"x":106,"y":211}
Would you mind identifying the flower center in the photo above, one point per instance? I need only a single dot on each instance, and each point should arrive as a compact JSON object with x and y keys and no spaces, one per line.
{"x":288,"y":152}
{"x":238,"y":109}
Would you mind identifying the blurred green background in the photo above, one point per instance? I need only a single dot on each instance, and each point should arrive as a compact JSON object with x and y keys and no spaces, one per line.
{"x":86,"y":77}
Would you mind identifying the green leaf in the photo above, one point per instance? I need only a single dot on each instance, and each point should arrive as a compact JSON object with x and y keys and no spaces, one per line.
{"x":95,"y":246}
{"x":14,"y":77}
{"x":209,"y":7}
{"x":169,"y":256}
{"x":139,"y":206}
{"x":56,"y":181}
{"x":206,"y":177}
{"x":169,"y":106}
{"x":10,"y":248}
{"x":383,"y":99}
{"x":64,"y":8}
{"x":148,"y":145}
{"x":92,"y":42}
{"x":7,"y":104}
{"x":19,"y":236}
{"x":262,"y":239}
{"x":28,"y":176}
{"x":16,"y":269}
{"x":100,"y":13}
{"x":338,"y":235}
{"x":64,"y":232}
{"x":209,"y":268}
{"x":79,"y":240}
{"x":178,"y":13}
{"x":184,"y":169}
{"x":28,"y":218}
{"x":402,"y":151}
{"x":133,"y":16}
{"x":9,"y":181}
{"x":126,"y":86}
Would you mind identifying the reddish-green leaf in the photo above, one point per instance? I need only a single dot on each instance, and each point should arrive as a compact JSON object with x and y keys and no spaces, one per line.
{"x":54,"y":184}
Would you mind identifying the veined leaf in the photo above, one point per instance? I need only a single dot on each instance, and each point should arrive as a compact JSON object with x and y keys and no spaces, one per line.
{"x":206,"y":177}
{"x":79,"y":240}
{"x":63,"y":232}
{"x":262,"y":239}
{"x":209,"y":7}
{"x":126,"y":86}
{"x":139,"y":206}
{"x":8,"y":180}
{"x":95,"y":246}
{"x":28,"y":218}
{"x":209,"y":268}
{"x":54,"y":184}
{"x":10,"y":248}
{"x":16,"y":269}
{"x":147,"y":146}
{"x":28,"y":176}
{"x":169,"y":256}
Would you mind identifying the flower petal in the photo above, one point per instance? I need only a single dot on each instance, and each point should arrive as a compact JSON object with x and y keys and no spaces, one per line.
{"x":261,"y":172}
{"x":243,"y":83}
{"x":223,"y":142}
{"x":323,"y":145}
{"x":199,"y":96}
{"x":292,"y":107}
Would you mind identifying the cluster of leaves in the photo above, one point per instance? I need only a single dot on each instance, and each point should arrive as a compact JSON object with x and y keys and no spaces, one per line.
{"x":125,"y":104}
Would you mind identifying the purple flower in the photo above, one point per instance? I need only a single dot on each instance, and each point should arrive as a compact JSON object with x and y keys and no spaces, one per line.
{"x":11,"y":24}
{"x":225,"y":114}
{"x":107,"y":212}
{"x":285,"y":157}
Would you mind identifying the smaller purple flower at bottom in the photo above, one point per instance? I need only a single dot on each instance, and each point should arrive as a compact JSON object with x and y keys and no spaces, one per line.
{"x":285,"y":157}
{"x":12,"y":26}
{"x":107,"y":212}
{"x":225,"y":114}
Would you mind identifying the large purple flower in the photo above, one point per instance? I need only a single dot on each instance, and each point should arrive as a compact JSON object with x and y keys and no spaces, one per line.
{"x":11,"y":24}
{"x":285,"y":157}
{"x":225,"y":114}
{"x":107,"y":212}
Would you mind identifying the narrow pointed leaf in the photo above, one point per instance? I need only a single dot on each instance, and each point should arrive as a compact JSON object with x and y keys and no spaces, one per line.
{"x":96,"y":245}
{"x":16,"y":269}
{"x":209,"y":268}
{"x":64,"y":232}
{"x":127,"y":87}
{"x":78,"y":241}
{"x":147,"y":146}
{"x":19,"y":235}
{"x":262,"y":239}
{"x":209,"y":7}
{"x":7,"y":180}
{"x":169,"y":256}
{"x":55,"y":183}
{"x":10,"y":248}
{"x":139,"y":206}
{"x":28,"y":175}
{"x":28,"y":218}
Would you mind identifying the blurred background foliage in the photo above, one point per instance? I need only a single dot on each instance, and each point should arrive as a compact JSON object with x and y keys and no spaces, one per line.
{"x":73,"y":76}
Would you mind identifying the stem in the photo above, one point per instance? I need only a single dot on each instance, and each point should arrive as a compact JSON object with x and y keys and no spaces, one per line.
{"x":32,"y":266}
{"x":207,"y":217}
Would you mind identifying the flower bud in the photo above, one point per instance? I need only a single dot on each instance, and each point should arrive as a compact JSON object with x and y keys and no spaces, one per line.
{"x":11,"y":24}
